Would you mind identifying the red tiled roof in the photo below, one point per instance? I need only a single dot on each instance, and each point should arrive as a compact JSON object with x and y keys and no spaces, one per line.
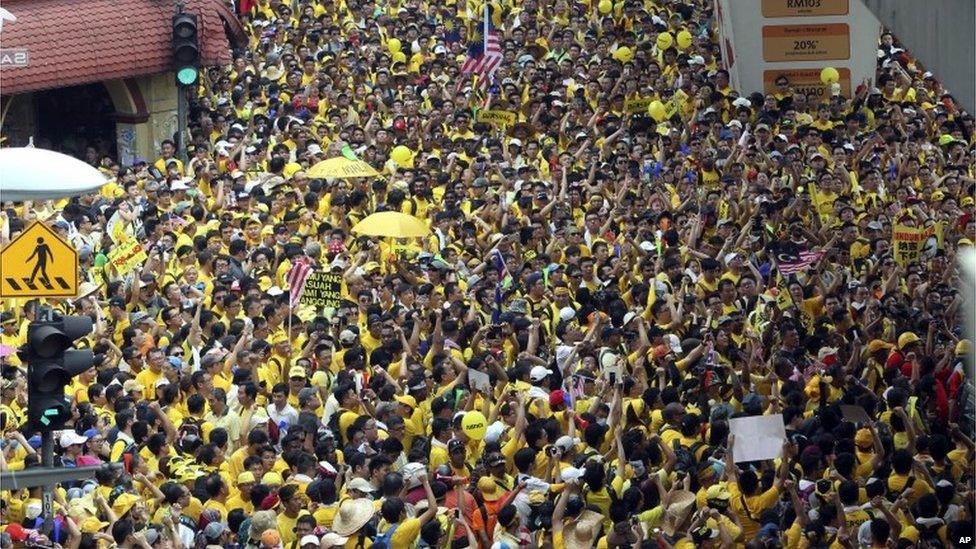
{"x":72,"y":42}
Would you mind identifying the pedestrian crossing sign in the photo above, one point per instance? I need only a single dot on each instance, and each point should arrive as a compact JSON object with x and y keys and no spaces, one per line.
{"x":38,"y":263}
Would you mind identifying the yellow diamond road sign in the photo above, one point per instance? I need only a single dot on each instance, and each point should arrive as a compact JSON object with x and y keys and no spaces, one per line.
{"x":38,"y":263}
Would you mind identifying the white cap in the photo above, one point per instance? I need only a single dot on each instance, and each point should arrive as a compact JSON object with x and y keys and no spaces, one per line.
{"x":361,"y":485}
{"x":313,"y":149}
{"x":347,"y":336}
{"x":538,"y":373}
{"x":309,"y":539}
{"x":275,"y":291}
{"x":629,"y":317}
{"x":570,"y":474}
{"x":70,"y":437}
{"x":178,"y":185}
{"x":494,"y":432}
{"x":332,"y":540}
{"x":646,"y":246}
{"x":338,"y":262}
{"x":517,"y":142}
{"x":565,"y":442}
{"x":730,"y":256}
{"x":567,"y":313}
{"x":439,"y":49}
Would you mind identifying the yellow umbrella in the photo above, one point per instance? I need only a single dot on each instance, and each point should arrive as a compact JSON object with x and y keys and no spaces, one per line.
{"x":394,"y":224}
{"x":341,"y":166}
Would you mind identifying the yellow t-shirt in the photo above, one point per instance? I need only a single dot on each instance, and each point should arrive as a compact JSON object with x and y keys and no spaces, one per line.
{"x":406,"y":534}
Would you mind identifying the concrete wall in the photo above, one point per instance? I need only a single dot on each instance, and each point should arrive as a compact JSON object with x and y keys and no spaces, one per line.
{"x":941,"y":34}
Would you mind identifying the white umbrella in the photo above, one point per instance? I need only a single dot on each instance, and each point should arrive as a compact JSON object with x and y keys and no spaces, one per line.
{"x":28,"y":173}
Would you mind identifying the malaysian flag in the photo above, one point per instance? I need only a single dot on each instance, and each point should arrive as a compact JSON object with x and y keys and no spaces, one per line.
{"x":791,"y":263}
{"x":298,"y":275}
{"x":484,"y":53}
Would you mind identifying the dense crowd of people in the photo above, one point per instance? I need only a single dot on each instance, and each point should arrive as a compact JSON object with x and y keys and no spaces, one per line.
{"x":560,"y":362}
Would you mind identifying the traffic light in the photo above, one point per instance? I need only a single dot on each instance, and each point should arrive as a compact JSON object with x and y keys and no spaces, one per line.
{"x":51,"y":363}
{"x":186,"y":49}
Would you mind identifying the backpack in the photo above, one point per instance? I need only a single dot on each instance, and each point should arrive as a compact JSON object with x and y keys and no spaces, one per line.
{"x":190,"y":426}
{"x":385,"y":540}
{"x":687,"y":458}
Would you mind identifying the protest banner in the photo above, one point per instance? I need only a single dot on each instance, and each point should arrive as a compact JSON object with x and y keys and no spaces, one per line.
{"x":322,"y":290}
{"x":639,"y":105}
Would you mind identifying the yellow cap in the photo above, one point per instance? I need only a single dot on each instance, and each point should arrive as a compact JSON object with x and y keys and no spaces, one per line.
{"x":272,"y":478}
{"x":246,"y":477}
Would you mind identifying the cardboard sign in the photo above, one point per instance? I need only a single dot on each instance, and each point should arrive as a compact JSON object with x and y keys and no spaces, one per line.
{"x":38,"y":263}
{"x":639,"y":105}
{"x":322,"y":290}
{"x":127,"y":255}
{"x":815,"y":42}
{"x":855,"y":414}
{"x":500,"y":119}
{"x":910,"y":244}
{"x":807,"y":81}
{"x":804,"y":8}
{"x":757,"y":437}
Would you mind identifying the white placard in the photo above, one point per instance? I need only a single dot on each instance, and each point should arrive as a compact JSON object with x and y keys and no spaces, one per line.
{"x":479,"y":381}
{"x":757,"y":437}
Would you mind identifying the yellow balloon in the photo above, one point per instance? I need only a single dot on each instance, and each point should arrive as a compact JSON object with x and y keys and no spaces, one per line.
{"x":657,"y":110}
{"x":393,"y":44}
{"x":623,"y":54}
{"x":664,"y":40}
{"x":399,"y":57}
{"x":402,"y":155}
{"x":474,"y":425}
{"x":684,"y":39}
{"x":829,"y":75}
{"x":605,"y":6}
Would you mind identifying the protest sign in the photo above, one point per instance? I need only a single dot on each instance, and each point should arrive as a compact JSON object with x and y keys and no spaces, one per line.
{"x":127,"y":255}
{"x":322,"y":290}
{"x":497,"y":118}
{"x":639,"y":105}
{"x":757,"y":437}
{"x":479,"y":381}
{"x":855,"y":414}
{"x":910,"y":244}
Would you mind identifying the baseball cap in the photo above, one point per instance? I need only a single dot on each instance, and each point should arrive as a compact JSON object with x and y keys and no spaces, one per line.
{"x":538,"y":373}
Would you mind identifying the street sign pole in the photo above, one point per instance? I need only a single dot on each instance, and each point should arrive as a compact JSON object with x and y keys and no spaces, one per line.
{"x":47,"y":460}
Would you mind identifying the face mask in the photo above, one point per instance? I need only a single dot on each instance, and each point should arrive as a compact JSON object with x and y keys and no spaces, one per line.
{"x":602,"y":422}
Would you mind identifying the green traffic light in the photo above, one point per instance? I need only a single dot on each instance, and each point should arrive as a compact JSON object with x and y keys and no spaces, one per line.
{"x":187,"y":76}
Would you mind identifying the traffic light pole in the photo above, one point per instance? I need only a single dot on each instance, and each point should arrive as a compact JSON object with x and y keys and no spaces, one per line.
{"x":182,"y":113}
{"x":47,"y":452}
{"x":47,"y":461}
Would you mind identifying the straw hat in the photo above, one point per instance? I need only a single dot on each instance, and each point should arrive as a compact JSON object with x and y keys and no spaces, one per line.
{"x":353,"y":514}
{"x":679,"y":508}
{"x":582,"y":532}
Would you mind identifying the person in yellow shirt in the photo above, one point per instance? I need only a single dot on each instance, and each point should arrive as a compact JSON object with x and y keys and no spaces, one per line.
{"x":402,"y":532}
{"x":747,"y":499}
{"x":293,"y":503}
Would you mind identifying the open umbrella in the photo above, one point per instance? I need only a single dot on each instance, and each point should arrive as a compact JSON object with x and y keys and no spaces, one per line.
{"x":39,"y":174}
{"x":347,"y":165}
{"x":394,"y":224}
